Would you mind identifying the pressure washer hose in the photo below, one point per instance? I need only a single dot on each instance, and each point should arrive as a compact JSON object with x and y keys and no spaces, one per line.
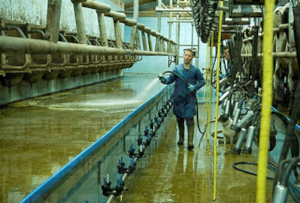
{"x":194,"y":93}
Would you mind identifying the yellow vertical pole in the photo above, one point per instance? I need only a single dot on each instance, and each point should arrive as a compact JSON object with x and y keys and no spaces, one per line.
{"x":217,"y":101}
{"x":208,"y":56}
{"x":266,"y":102}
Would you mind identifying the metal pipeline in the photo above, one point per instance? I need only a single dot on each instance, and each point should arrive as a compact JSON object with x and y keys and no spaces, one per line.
{"x":35,"y":46}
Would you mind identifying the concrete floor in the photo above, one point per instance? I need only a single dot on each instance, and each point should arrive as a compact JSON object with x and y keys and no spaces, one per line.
{"x":41,"y":135}
{"x":175,"y":174}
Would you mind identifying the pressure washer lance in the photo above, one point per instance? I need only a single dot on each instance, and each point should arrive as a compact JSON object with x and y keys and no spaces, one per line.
{"x":187,"y":84}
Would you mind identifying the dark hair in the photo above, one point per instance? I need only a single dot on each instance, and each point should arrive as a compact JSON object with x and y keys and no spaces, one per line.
{"x":188,"y":50}
{"x":191,"y":50}
{"x":226,"y":47}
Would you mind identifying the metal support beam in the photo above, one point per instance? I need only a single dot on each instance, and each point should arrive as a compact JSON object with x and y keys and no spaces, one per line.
{"x":80,"y":23}
{"x":102,"y":28}
{"x":53,"y":19}
{"x":118,"y":34}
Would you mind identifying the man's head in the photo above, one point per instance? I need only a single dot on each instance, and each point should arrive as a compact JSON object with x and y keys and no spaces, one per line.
{"x":188,"y":56}
{"x":226,"y":53}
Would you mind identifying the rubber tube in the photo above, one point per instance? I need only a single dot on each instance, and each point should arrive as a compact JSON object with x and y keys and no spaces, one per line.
{"x":266,"y":102}
{"x":181,"y":78}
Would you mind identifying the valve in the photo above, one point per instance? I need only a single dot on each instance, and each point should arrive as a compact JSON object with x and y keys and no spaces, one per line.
{"x":148,"y":140}
{"x":153,"y":129}
{"x":158,"y":123}
{"x":106,"y":187}
{"x":116,"y":191}
{"x":121,"y":168}
{"x":139,"y":140}
{"x":146,"y":131}
{"x":131,"y":150}
{"x":129,"y":170}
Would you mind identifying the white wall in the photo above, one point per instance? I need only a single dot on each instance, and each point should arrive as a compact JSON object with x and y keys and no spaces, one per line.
{"x":35,"y":12}
{"x":158,"y":64}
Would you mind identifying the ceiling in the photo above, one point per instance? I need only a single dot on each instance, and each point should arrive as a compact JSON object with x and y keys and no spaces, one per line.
{"x":147,"y":7}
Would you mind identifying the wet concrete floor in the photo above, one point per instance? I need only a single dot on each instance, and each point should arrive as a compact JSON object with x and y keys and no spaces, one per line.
{"x":41,"y":135}
{"x":175,"y":174}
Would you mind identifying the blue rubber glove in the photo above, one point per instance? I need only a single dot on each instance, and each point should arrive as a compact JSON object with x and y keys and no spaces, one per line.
{"x":162,"y":79}
{"x":191,"y":87}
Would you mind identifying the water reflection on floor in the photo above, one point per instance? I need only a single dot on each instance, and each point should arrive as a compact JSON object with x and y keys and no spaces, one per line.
{"x":174,"y":174}
{"x":40,"y":135}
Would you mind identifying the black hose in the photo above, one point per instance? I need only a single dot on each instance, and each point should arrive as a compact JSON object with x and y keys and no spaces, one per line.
{"x":234,"y":165}
{"x":291,"y":140}
{"x":181,"y":78}
{"x":293,"y":163}
{"x":194,"y":93}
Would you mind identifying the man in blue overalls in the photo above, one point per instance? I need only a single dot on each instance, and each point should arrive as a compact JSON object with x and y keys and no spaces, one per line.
{"x":184,"y":95}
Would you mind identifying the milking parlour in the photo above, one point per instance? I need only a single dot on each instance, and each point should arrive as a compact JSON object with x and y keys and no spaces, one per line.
{"x":150,"y":101}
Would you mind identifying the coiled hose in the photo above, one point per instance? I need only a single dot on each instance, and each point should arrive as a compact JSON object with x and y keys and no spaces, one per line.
{"x":194,"y":93}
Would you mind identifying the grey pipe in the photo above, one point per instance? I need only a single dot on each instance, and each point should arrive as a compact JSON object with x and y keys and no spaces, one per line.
{"x":178,"y":35}
{"x":136,"y":10}
{"x":275,"y":54}
{"x":157,"y":9}
{"x":180,"y":21}
{"x":35,"y":46}
{"x":20,"y":32}
{"x":80,"y":23}
{"x":35,"y":30}
{"x":103,"y":8}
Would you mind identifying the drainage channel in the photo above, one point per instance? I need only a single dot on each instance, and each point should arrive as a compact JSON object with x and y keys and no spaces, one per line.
{"x":99,"y":172}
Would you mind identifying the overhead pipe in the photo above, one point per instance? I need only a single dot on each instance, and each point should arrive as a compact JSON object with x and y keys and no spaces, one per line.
{"x":115,"y":15}
{"x":180,"y":21}
{"x":177,"y":10}
{"x":103,"y":8}
{"x":35,"y":46}
{"x":275,"y":55}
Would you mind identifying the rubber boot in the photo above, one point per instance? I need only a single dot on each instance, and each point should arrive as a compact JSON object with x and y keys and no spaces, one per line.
{"x":180,"y":122}
{"x":190,"y":137}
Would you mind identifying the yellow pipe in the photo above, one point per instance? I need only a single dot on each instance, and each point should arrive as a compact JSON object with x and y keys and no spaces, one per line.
{"x":266,"y":103}
{"x":209,"y":100}
{"x":217,"y":102}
